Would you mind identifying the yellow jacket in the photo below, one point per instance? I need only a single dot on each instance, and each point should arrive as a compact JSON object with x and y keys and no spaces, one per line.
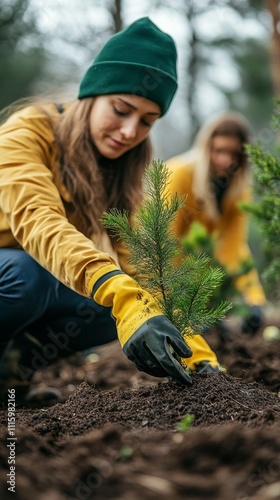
{"x":33,"y":206}
{"x":230,"y":226}
{"x":34,"y":215}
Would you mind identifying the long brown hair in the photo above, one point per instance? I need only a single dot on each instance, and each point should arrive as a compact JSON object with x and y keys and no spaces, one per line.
{"x":96,"y":185}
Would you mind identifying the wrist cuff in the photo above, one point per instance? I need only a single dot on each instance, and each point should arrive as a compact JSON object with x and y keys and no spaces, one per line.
{"x":104,"y":278}
{"x":104,"y":270}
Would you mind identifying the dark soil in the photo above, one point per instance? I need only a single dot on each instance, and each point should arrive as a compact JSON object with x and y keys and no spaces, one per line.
{"x":116,"y":437}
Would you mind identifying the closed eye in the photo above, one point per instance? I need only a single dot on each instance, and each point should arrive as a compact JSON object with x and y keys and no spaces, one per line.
{"x":147,"y":124}
{"x":120,"y":113}
{"x":144,"y":122}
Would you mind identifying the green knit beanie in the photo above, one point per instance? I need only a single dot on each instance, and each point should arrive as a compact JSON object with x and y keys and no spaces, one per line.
{"x":139,"y":60}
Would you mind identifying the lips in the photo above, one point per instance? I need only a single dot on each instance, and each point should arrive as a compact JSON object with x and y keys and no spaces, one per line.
{"x":118,"y":144}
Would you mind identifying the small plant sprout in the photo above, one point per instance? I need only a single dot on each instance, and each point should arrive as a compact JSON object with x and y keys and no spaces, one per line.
{"x":126,"y":452}
{"x":183,"y":285}
{"x":185,"y":423}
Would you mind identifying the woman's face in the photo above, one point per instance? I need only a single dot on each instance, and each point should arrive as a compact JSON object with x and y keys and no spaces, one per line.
{"x":119,"y":122}
{"x":224,"y":154}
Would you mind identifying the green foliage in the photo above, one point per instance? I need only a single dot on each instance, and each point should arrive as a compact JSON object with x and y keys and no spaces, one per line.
{"x":23,"y":57}
{"x":126,"y":453}
{"x":266,"y":210}
{"x":16,"y":25}
{"x":185,"y":423}
{"x":183,"y":290}
{"x":199,"y":241}
{"x":20,"y":73}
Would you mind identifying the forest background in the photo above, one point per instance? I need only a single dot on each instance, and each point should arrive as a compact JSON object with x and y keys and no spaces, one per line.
{"x":228,"y":58}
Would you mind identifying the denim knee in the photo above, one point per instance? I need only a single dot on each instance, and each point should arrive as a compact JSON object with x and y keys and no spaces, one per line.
{"x":25,"y":290}
{"x":21,"y":276}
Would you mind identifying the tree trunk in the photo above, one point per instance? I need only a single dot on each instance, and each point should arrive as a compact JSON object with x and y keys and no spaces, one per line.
{"x":116,"y":13}
{"x":191,"y":72}
{"x":273,"y":8}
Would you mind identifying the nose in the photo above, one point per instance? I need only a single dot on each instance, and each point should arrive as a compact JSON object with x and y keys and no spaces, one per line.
{"x":225,"y":159}
{"x":129,"y":129}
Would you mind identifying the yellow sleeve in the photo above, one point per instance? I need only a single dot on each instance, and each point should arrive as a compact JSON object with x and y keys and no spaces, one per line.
{"x":32,"y":204}
{"x":232,"y":250}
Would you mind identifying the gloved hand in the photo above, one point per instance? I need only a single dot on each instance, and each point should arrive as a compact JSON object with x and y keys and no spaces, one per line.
{"x":253,"y":321}
{"x":202,"y":355}
{"x":147,"y":337}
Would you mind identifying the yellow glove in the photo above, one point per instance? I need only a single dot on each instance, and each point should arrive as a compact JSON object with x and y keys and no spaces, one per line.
{"x":202,"y":355}
{"x":147,"y":337}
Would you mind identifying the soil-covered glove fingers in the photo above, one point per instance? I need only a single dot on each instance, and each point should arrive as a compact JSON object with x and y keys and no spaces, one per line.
{"x":154,"y":346}
{"x":180,"y":346}
{"x":174,"y":368}
{"x":151,"y":366}
{"x":253,"y":322}
{"x":141,"y":324}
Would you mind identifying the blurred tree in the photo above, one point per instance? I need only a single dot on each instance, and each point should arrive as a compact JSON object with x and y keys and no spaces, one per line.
{"x":22,"y":55}
{"x":252,"y":93}
{"x":266,"y":211}
{"x":274,"y":10}
{"x":73,"y":36}
{"x":82,"y":31}
{"x":210,"y":39}
{"x":116,"y":13}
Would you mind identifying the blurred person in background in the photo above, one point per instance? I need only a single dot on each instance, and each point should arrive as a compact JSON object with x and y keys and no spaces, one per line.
{"x":214,"y":177}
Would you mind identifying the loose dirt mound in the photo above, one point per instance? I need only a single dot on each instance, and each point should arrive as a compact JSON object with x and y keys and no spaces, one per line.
{"x":115,"y":436}
{"x":110,"y":464}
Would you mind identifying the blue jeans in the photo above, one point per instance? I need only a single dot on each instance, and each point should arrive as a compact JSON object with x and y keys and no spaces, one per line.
{"x":32,"y":300}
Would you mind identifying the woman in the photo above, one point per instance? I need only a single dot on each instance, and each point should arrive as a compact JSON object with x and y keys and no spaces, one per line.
{"x":65,"y":283}
{"x":215,"y":176}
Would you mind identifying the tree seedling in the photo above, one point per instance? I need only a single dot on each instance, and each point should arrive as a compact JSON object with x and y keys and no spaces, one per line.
{"x":182,"y":284}
{"x":126,"y":453}
{"x":185,"y":423}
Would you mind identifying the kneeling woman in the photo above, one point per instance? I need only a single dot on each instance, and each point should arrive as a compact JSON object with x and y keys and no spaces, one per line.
{"x":65,"y":283}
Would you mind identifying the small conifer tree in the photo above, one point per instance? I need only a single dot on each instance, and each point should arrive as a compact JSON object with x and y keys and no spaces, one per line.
{"x":266,"y":209}
{"x":183,"y":290}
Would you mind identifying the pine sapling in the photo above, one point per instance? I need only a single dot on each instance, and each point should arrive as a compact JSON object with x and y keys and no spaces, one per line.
{"x":266,"y":210}
{"x":183,"y":285}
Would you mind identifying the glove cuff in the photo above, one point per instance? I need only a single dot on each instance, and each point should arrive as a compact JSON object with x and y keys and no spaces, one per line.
{"x":104,"y":278}
{"x":131,"y":305}
{"x":102,"y":272}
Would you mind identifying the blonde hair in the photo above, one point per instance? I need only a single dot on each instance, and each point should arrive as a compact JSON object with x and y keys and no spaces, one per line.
{"x":232,"y":124}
